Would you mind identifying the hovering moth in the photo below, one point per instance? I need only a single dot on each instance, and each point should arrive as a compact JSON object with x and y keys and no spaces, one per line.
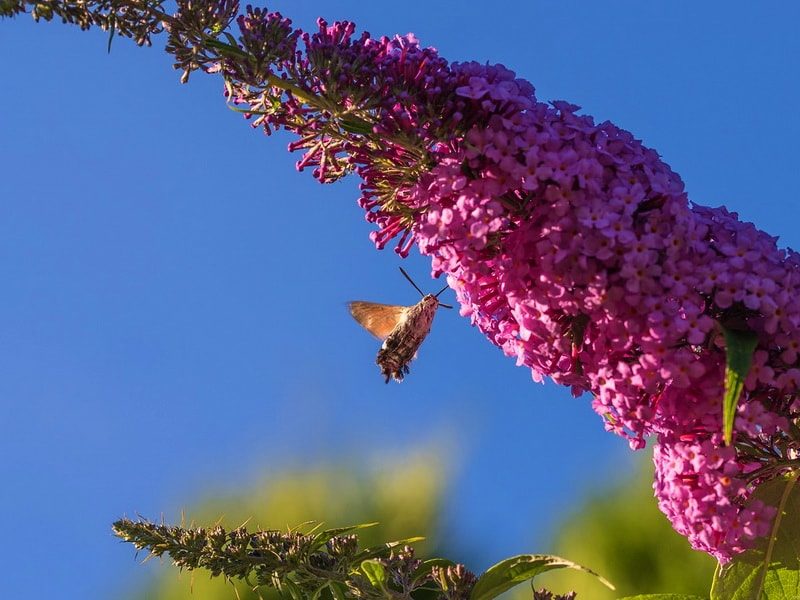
{"x":402,"y":328}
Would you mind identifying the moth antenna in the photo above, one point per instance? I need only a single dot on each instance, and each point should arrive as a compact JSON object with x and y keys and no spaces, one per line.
{"x":421,"y":293}
{"x":440,"y":291}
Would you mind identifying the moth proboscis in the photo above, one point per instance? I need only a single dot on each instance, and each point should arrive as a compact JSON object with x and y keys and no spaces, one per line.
{"x":402,"y":328}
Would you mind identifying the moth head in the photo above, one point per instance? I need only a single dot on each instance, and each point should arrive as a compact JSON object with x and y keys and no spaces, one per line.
{"x":426,"y":296}
{"x":432,"y":300}
{"x":436,"y":297}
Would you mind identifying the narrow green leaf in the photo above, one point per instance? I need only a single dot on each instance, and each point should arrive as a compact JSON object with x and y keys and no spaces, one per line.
{"x":663,"y":597}
{"x":384,"y":549}
{"x":318,"y":592}
{"x":337,"y":590}
{"x":375,"y":573}
{"x":771,"y":570}
{"x":353,"y":124}
{"x":112,"y":29}
{"x":740,"y":346}
{"x":224,"y":48}
{"x":427,"y":566}
{"x":292,"y":588}
{"x":323,"y":536}
{"x":247,"y":112}
{"x":512,"y":571}
{"x":406,"y":541}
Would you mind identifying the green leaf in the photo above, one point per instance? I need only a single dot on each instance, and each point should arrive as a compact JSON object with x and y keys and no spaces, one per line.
{"x":771,"y":570}
{"x":224,"y":48}
{"x":384,"y":549}
{"x":337,"y":590}
{"x":353,"y":124}
{"x":112,"y":29}
{"x":663,"y":597}
{"x":739,"y":356}
{"x":292,"y":588}
{"x":375,"y":573}
{"x":248,"y":112}
{"x":318,"y":592}
{"x":512,"y":571}
{"x":324,"y":536}
{"x":427,"y":566}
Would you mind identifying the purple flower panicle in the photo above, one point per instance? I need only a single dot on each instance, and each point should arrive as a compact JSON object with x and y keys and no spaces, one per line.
{"x":569,"y":244}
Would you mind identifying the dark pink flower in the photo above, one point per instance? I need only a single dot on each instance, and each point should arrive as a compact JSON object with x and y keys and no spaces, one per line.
{"x":570,"y":245}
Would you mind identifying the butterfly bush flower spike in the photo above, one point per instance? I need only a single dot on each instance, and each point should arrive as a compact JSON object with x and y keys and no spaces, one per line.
{"x":569,"y":244}
{"x":572,"y":246}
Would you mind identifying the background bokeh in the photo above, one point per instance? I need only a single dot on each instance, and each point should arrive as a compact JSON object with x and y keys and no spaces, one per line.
{"x":172,"y":320}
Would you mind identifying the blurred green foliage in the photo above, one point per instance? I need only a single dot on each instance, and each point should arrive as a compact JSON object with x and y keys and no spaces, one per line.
{"x":405,"y":497}
{"x":620,"y":533}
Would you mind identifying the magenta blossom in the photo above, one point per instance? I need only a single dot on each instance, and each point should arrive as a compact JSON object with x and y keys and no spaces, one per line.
{"x":569,"y":244}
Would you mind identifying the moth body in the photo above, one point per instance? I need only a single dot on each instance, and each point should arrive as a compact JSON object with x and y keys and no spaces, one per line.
{"x":401,"y":345}
{"x":402,"y":329}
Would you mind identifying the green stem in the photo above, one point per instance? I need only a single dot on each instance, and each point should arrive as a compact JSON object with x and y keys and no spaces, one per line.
{"x":790,"y":483}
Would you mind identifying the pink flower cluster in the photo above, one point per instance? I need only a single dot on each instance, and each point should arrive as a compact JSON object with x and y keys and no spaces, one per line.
{"x":574,"y":249}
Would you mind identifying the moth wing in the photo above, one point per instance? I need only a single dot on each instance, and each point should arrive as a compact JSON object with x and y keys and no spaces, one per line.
{"x":378,"y":319}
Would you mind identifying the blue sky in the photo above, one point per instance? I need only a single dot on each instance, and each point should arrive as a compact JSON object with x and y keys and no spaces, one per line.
{"x":172,"y":315}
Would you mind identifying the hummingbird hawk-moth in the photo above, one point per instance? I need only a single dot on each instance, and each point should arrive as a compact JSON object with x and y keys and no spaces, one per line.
{"x":402,"y":329}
